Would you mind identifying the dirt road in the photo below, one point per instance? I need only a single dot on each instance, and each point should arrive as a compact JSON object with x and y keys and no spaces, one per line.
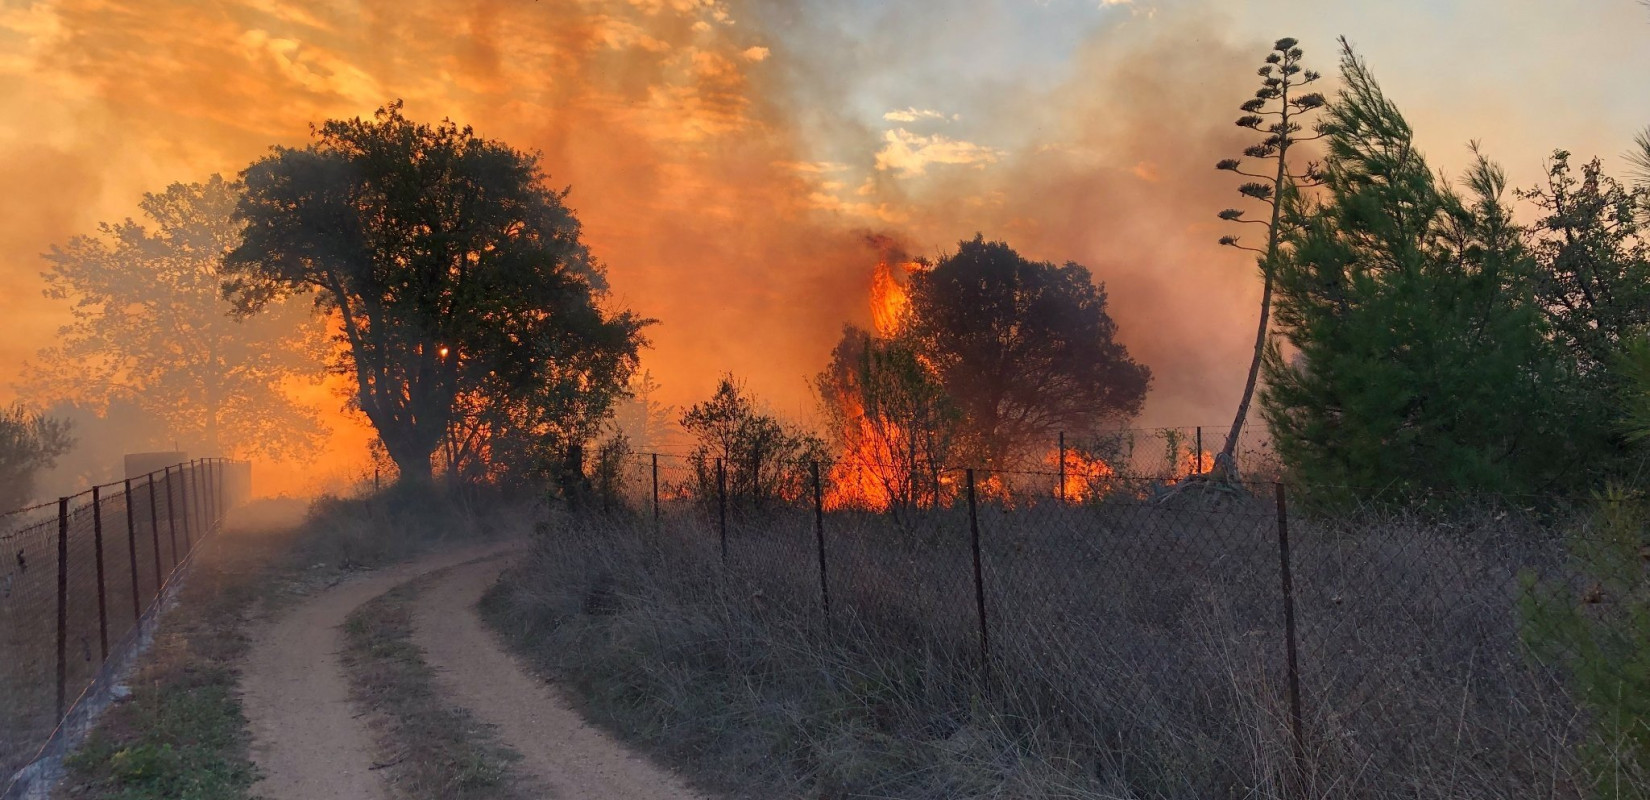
{"x":309,"y":743}
{"x":557,"y":746}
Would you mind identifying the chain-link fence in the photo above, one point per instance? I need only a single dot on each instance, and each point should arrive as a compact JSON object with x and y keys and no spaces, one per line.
{"x":78,"y":579}
{"x":1177,"y":638}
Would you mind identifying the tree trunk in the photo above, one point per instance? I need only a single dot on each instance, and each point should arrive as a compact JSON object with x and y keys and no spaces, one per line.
{"x":1226,"y":463}
{"x":412,"y":457}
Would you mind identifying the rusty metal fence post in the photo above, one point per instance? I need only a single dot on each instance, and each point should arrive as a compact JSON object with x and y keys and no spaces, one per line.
{"x":154,"y":532}
{"x":171,"y":518}
{"x":102,"y":582}
{"x":1296,"y":724}
{"x":655,"y":490}
{"x":1197,"y":457}
{"x":1061,"y":493}
{"x":183,"y":492}
{"x":199,"y":497}
{"x":722,"y":506}
{"x":131,"y":550}
{"x":62,"y":602}
{"x":197,"y":485}
{"x":819,"y":536}
{"x":213,"y":501}
{"x":979,"y":577}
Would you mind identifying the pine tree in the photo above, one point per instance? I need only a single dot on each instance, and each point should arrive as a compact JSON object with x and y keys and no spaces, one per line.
{"x":1421,"y":358}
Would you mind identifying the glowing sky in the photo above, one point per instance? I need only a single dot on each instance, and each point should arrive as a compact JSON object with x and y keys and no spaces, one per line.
{"x":727,"y":158}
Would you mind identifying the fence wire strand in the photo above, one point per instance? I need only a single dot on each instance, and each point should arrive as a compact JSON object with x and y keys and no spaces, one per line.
{"x":1145,"y":625}
{"x":47,"y":667}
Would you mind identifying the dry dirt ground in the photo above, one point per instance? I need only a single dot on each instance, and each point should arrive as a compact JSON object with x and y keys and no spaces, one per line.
{"x":309,"y":742}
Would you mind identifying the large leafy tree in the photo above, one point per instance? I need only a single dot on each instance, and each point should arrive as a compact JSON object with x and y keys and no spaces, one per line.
{"x":1420,"y":359}
{"x":152,"y":328}
{"x":1025,"y":349}
{"x":463,"y":292}
{"x":890,"y":419}
{"x":29,"y":443}
{"x":1275,"y":112}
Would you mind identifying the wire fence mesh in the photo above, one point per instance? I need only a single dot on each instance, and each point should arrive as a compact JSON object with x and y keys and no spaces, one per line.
{"x":78,"y":579}
{"x":1183,"y":643}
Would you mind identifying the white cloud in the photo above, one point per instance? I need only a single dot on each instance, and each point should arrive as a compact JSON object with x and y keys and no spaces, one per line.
{"x":914,"y":114}
{"x":755,"y":53}
{"x":910,"y":154}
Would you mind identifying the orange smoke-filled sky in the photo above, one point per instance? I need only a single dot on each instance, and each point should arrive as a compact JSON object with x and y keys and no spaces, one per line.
{"x":728,"y":159}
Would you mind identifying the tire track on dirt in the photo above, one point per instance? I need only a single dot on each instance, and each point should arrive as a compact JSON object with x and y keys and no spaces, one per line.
{"x":306,"y":738}
{"x":574,"y":759}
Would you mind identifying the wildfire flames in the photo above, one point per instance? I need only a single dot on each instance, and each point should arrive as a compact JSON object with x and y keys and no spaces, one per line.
{"x":1084,"y":478}
{"x":1191,"y":463}
{"x":866,"y":476}
{"x":890,"y":300}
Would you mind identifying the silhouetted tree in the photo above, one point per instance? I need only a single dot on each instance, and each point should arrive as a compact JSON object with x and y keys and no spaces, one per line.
{"x":764,"y":460}
{"x":1422,"y":359}
{"x":151,"y":327}
{"x":1274,"y":111}
{"x":891,"y":421}
{"x":1594,"y":276}
{"x":1639,"y":156}
{"x":29,"y":443}
{"x":1024,"y":349}
{"x":453,"y":272}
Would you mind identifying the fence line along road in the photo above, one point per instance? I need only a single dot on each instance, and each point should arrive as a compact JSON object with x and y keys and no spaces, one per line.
{"x":78,"y":580}
{"x":1216,"y":634}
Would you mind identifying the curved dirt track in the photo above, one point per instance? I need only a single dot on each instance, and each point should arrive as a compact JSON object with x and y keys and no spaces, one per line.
{"x":306,"y":738}
{"x":557,"y":746}
{"x":309,"y":743}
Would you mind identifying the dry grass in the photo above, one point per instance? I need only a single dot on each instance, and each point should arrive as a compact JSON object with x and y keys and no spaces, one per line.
{"x":429,"y":749}
{"x":1137,"y":650}
{"x":181,"y":733}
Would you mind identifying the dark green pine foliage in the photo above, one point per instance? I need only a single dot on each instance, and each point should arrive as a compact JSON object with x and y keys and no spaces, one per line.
{"x":1417,"y":357}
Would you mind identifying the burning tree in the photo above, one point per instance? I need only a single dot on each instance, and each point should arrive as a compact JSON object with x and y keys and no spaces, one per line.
{"x":891,"y":420}
{"x":754,"y":457}
{"x":1281,"y":74}
{"x":462,"y":289}
{"x":1024,"y":349}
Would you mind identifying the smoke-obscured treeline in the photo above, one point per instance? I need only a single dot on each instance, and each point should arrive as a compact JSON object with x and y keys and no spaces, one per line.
{"x":1426,"y":339}
{"x":727,"y":159}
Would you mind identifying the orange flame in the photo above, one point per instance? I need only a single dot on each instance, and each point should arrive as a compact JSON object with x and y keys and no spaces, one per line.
{"x":864,"y":478}
{"x":1085,"y":478}
{"x":855,"y":485}
{"x":890,"y":299}
{"x":1191,"y":463}
{"x":994,"y":489}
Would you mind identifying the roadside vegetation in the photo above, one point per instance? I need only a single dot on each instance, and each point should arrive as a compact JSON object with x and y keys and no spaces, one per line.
{"x":182,"y":733}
